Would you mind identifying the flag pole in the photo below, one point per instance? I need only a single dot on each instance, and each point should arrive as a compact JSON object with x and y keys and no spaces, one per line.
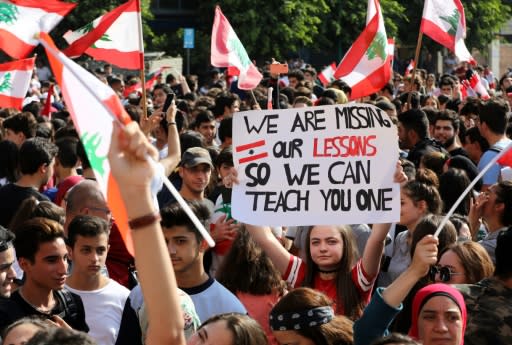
{"x":416,"y":60}
{"x":253,"y":97}
{"x":206,"y":235}
{"x":142,"y":72}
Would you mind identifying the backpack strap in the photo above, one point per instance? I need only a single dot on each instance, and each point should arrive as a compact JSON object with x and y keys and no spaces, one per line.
{"x":69,"y":304}
{"x":495,"y":148}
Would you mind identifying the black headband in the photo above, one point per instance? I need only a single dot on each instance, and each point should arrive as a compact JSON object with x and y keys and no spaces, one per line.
{"x":302,"y":319}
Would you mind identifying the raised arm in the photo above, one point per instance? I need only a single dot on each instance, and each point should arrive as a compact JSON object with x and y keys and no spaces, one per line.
{"x":425,"y":255}
{"x":264,"y":237}
{"x":375,"y":245}
{"x":374,"y":248}
{"x":173,"y":142}
{"x":127,"y":153}
{"x":387,"y":303}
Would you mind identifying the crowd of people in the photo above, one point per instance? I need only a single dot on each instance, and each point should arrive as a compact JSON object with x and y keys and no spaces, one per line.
{"x":67,"y":277}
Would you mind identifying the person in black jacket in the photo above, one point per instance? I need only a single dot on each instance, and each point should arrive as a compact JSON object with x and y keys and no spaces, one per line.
{"x":413,"y":135}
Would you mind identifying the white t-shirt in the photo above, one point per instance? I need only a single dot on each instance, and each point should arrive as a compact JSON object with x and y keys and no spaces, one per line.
{"x":103,"y":311}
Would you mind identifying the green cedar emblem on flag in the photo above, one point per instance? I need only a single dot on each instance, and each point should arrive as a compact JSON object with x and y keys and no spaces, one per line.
{"x":91,"y":144}
{"x":378,"y":47}
{"x":453,"y":20}
{"x":6,"y":83}
{"x":8,"y":13}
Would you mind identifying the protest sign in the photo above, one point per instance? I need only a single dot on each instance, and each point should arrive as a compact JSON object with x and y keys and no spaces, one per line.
{"x":315,"y":166}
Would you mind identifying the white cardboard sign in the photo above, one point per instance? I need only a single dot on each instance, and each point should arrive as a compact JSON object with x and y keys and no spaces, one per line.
{"x":315,"y":166}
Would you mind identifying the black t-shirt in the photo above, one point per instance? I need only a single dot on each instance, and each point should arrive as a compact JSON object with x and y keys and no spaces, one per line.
{"x":15,"y":308}
{"x":11,"y":197}
{"x":459,"y":151}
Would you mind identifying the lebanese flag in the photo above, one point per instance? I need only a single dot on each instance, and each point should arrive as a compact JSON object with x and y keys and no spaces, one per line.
{"x":21,"y":20}
{"x":228,"y":51}
{"x":445,"y":23}
{"x":366,"y":67}
{"x":327,"y":74}
{"x":15,"y":79}
{"x":150,"y":82}
{"x":476,"y":84}
{"x":115,"y":37}
{"x":91,"y":104}
{"x":409,"y":68}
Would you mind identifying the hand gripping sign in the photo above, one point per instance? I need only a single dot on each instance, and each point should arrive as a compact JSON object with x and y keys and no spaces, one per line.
{"x":315,"y":166}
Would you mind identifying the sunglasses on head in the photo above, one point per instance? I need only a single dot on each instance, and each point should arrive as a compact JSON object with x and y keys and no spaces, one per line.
{"x":445,"y":273}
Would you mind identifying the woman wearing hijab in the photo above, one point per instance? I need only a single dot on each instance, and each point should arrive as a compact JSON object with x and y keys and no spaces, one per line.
{"x":438,"y":311}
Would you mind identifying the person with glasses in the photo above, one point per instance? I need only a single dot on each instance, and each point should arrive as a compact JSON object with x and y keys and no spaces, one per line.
{"x":438,"y":314}
{"x":463,"y":263}
{"x":7,"y":258}
{"x":493,"y":209}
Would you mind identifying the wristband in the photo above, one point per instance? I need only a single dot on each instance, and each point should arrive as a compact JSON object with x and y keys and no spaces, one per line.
{"x":144,"y":221}
{"x":171,"y":123}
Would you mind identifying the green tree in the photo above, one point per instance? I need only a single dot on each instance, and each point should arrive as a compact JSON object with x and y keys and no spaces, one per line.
{"x":271,"y":28}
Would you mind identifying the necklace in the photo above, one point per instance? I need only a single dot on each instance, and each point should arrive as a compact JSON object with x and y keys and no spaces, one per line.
{"x":327,"y":272}
{"x":39,"y":309}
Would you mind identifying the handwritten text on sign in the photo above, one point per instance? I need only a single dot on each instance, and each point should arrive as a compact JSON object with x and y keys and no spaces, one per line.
{"x":315,"y":166}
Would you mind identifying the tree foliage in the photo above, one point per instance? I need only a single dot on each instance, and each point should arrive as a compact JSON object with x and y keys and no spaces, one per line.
{"x":270,"y":28}
{"x":281,"y":28}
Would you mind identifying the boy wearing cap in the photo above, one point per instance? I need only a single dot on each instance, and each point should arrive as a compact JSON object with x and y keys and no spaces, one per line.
{"x":195,"y":171}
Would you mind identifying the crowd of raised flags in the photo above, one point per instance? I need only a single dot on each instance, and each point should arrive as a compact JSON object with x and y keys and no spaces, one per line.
{"x":116,"y":37}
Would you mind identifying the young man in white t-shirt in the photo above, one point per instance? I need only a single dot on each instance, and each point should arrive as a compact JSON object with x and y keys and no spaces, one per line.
{"x":103,"y":298}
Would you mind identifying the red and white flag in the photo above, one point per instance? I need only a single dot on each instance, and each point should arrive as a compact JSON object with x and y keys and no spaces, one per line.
{"x":151,"y":79}
{"x":228,"y":51}
{"x":327,"y":74}
{"x":91,"y":104}
{"x":476,"y":84}
{"x":47,"y":109}
{"x":21,"y":20}
{"x":366,"y":67}
{"x":445,"y":23}
{"x":115,"y":37}
{"x":15,"y":79}
{"x":410,"y":68}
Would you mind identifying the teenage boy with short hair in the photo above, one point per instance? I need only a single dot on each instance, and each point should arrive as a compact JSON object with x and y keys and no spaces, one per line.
{"x":103,"y":297}
{"x":186,"y":250}
{"x":42,"y":255}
